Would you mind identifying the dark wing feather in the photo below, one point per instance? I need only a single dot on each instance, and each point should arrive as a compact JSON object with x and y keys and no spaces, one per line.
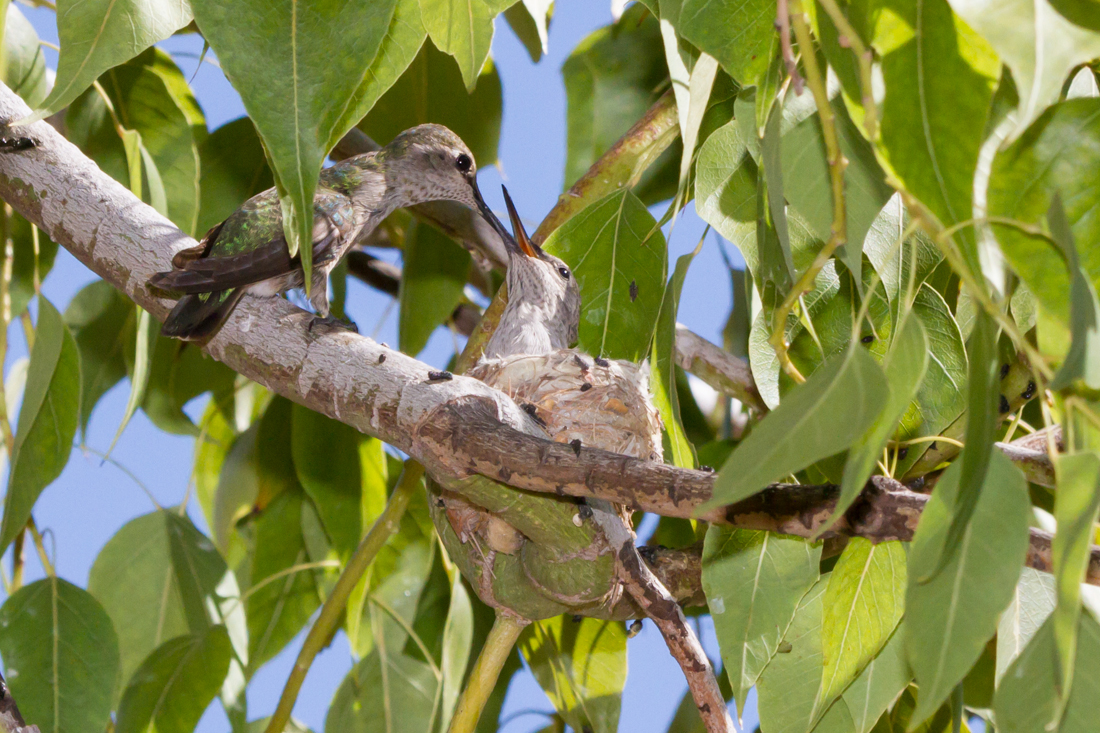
{"x":196,"y":317}
{"x":333,"y":221}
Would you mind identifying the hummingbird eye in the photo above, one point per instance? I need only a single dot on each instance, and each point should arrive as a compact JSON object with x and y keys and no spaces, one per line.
{"x":564,"y":272}
{"x":463,"y":163}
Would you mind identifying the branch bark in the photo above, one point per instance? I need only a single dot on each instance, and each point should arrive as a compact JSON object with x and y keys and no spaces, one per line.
{"x":11,"y":720}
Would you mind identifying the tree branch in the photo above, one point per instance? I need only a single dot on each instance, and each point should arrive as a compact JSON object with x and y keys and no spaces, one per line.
{"x":454,"y":427}
{"x":11,"y":720}
{"x":659,"y":605}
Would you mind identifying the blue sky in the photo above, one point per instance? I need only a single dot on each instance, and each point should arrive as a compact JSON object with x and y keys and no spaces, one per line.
{"x":92,"y":500}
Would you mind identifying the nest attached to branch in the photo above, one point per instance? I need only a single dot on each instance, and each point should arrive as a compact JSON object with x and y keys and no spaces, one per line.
{"x":602,"y":403}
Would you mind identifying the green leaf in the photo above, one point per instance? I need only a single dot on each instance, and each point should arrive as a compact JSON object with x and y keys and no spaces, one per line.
{"x":463,"y":29}
{"x":292,"y":726}
{"x":879,"y":684}
{"x":385,"y":694}
{"x":326,"y":461}
{"x":403,"y":39}
{"x":172,"y":688}
{"x":982,"y":417}
{"x":728,"y":198}
{"x":610,"y":81}
{"x":101,"y":321}
{"x":1081,"y":12}
{"x":862,"y":606}
{"x":581,"y":665}
{"x":150,"y":97}
{"x":1032,"y":602}
{"x":941,"y":398}
{"x":932,"y":149}
{"x":808,"y":188}
{"x":743,"y":42}
{"x":1076,"y":504}
{"x":1050,"y":156}
{"x":620,"y":273}
{"x":458,"y":633}
{"x":278,"y":610}
{"x":530,"y":21}
{"x":700,"y":85}
{"x":662,"y":367}
{"x":24,"y":67}
{"x":60,"y":656}
{"x":234,"y":170}
{"x":772,"y":230}
{"x":431,"y":90}
{"x":1039,"y":45}
{"x":159,"y":577}
{"x":789,"y":686}
{"x":145,"y":331}
{"x":753,"y":581}
{"x":29,"y":267}
{"x":180,"y":371}
{"x":1026,"y":700}
{"x":1082,"y":362}
{"x":905,"y":367}
{"x":950,"y":618}
{"x":432,"y":284}
{"x":295,"y":72}
{"x":817,"y":419}
{"x":48,"y":419}
{"x":897,"y":262}
{"x":397,"y":578}
{"x":725,"y":191}
{"x":101,"y":34}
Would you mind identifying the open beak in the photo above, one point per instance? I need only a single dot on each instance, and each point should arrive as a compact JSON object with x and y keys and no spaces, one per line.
{"x":525,"y":244}
{"x":488,"y":215}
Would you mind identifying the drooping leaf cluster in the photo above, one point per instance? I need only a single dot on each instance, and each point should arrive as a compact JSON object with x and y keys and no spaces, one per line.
{"x":912,"y":188}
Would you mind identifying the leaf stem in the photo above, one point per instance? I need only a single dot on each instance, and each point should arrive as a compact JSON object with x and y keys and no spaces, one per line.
{"x":384,"y":527}
{"x":498,"y":646}
{"x":5,"y":321}
{"x":41,"y":548}
{"x":837,"y":164}
{"x":863,"y":57}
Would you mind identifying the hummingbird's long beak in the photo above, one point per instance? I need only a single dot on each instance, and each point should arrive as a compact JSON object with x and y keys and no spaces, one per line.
{"x":488,"y":215}
{"x":525,"y":244}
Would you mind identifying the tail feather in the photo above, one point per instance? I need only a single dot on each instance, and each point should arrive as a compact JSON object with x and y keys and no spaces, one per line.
{"x":196,"y":317}
{"x":185,"y":281}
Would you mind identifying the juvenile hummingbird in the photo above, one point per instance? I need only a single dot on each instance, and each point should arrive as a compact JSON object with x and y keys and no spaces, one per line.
{"x":247,"y":253}
{"x":544,"y":301}
{"x":599,"y":402}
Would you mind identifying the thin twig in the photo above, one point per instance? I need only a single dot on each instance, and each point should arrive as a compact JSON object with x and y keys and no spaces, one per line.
{"x":331,"y":613}
{"x":864,"y":57}
{"x":783,"y":25}
{"x":5,"y":321}
{"x":40,"y":547}
{"x":659,"y":605}
{"x":837,"y":164}
{"x":483,"y":678}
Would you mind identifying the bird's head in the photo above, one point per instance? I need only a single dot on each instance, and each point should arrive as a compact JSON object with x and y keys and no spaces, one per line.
{"x":540,"y":284}
{"x":436,"y":164}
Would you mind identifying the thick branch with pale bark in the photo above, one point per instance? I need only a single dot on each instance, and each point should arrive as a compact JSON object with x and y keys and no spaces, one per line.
{"x":455,"y":427}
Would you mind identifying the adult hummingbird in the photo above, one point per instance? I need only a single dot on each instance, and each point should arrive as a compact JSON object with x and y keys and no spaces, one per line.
{"x":247,"y":253}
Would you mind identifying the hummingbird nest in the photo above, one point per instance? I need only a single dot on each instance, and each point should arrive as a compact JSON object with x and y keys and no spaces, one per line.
{"x":602,"y":403}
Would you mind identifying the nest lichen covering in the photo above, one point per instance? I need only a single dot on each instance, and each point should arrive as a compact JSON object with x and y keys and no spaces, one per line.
{"x":604,"y":404}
